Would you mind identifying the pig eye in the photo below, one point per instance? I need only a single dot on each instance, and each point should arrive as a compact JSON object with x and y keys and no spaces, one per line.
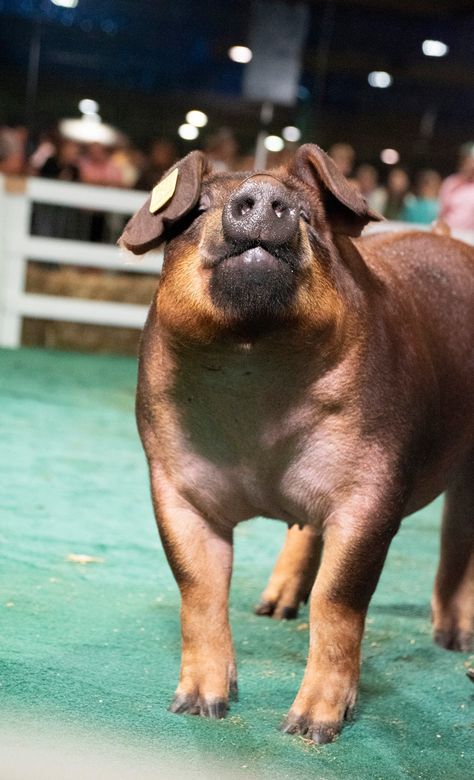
{"x":204,"y":202}
{"x":304,"y":214}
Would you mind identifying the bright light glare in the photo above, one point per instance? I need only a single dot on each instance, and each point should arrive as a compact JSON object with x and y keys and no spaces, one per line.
{"x":188,"y":132}
{"x":434,"y":48}
{"x":65,"y":3}
{"x":274,"y":143}
{"x":379,"y":78}
{"x":240,"y":54}
{"x":291,"y":134}
{"x":389,"y":156}
{"x":88,"y":106}
{"x":196,"y":118}
{"x":89,"y":130}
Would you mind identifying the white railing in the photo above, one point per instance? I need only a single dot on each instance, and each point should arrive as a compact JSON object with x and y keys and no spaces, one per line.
{"x":18,"y":246}
{"x":389,"y":226}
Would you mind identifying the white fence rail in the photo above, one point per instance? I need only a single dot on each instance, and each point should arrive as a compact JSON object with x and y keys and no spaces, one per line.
{"x":18,"y":246}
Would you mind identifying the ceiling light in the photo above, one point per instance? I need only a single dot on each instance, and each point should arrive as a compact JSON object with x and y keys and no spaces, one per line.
{"x":196,"y":118}
{"x":389,"y":156}
{"x":240,"y":54}
{"x":274,"y":143}
{"x":88,"y":106}
{"x":188,"y":132}
{"x":434,"y":48}
{"x":291,"y":134}
{"x":65,"y":3}
{"x":379,"y":78}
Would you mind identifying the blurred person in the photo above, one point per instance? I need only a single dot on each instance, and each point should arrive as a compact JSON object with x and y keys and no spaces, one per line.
{"x":246,"y":162}
{"x":457,"y":193}
{"x":367,"y":180}
{"x":129,"y":162}
{"x":276,"y":159}
{"x":63,"y":164}
{"x":47,"y":147}
{"x":397,"y":194}
{"x":222,"y":150}
{"x":423,"y":207}
{"x":343,"y":155}
{"x":13,"y":139}
{"x":162,"y":155}
{"x":59,"y":160}
{"x":96,"y":166}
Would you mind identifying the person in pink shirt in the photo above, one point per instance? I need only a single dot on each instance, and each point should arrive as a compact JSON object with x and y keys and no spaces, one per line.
{"x":457,"y":193}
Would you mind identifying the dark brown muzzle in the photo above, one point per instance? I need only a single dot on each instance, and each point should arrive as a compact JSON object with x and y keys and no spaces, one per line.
{"x":261,"y":209}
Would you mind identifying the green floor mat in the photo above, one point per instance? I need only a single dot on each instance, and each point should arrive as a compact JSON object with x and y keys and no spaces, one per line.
{"x":96,"y":645}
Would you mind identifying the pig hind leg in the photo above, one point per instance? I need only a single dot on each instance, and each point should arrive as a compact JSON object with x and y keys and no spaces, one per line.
{"x":453,"y":595}
{"x":293,"y":575}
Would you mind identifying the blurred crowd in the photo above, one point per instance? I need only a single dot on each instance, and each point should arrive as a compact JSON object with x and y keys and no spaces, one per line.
{"x":419,"y":197}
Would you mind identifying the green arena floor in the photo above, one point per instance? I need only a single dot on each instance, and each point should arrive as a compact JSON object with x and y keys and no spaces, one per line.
{"x":93,"y":648}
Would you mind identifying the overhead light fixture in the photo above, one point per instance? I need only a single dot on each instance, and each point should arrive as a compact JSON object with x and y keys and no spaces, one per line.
{"x":65,"y":3}
{"x":389,"y":156}
{"x":88,"y":106}
{"x":434,"y":48}
{"x":380,"y":79}
{"x":291,"y":134}
{"x":196,"y":118}
{"x":274,"y":143}
{"x":240,"y":54}
{"x":188,"y":132}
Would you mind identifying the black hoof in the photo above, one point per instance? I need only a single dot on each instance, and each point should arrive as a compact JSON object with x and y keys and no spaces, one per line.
{"x":289,"y":613}
{"x":265,"y":608}
{"x":268,"y":608}
{"x":192,"y":705}
{"x":459,"y":641}
{"x":319,"y":733}
{"x":470,"y":674}
{"x":233,"y":691}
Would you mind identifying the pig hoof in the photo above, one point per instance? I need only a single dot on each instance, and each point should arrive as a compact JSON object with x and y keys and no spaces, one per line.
{"x":272,"y":609}
{"x":193,"y":705}
{"x":460,"y":641}
{"x":233,"y":691}
{"x":319,"y":733}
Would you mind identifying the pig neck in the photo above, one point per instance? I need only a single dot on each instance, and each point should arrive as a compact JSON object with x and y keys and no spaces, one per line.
{"x":287,"y":360}
{"x":290,"y":358}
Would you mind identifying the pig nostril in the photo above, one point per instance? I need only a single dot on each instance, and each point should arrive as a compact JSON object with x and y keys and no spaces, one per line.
{"x":279,"y":208}
{"x":245,"y":206}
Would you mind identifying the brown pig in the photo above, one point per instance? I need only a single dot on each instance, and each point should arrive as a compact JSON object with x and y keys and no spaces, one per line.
{"x":291,"y":369}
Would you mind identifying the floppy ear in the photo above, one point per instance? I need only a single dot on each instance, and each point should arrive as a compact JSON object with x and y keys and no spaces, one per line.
{"x":346,"y":209}
{"x":173,"y":197}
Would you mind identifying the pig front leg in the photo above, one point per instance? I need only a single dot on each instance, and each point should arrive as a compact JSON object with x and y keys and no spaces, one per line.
{"x":201,"y":560}
{"x":355,"y":548}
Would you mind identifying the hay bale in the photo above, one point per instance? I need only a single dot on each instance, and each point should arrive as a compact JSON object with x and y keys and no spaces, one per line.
{"x":91,"y":284}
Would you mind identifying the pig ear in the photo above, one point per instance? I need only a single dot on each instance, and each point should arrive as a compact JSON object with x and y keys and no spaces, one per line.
{"x":346,"y":209}
{"x":173,"y":197}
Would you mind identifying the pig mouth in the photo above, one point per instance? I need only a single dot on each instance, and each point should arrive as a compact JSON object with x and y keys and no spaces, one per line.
{"x":253,"y":259}
{"x":255,"y":284}
{"x":258,"y":257}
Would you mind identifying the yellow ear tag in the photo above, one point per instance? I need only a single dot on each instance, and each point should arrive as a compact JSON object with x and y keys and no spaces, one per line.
{"x":163,"y":192}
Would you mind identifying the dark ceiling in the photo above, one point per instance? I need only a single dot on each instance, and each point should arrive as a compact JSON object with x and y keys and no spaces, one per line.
{"x":147,"y":63}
